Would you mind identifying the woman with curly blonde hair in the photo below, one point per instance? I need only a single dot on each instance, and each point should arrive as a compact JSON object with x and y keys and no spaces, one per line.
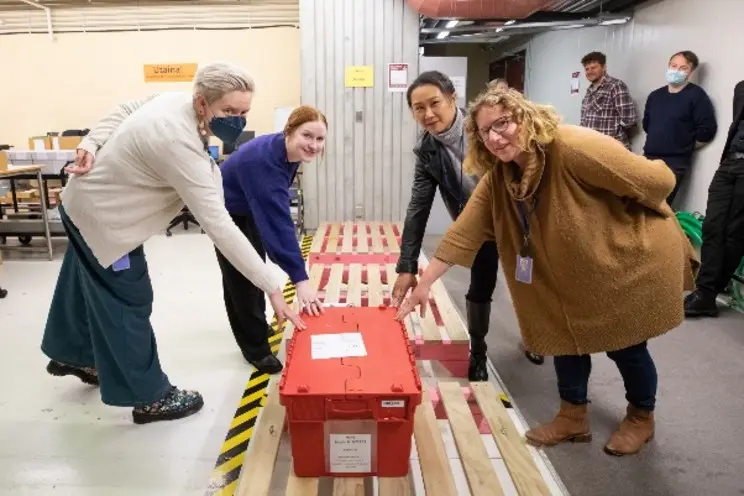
{"x":593,"y":255}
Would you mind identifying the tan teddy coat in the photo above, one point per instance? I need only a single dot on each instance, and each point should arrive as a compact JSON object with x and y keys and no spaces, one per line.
{"x":610,"y":259}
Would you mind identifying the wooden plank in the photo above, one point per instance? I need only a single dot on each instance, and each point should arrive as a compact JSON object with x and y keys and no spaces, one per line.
{"x":429,"y":328}
{"x":332,"y":245}
{"x":376,"y":238}
{"x":333,"y":289}
{"x":301,"y":486}
{"x":374,"y":285}
{"x":354,"y":291}
{"x":319,"y":237}
{"x":473,"y":455}
{"x":316,"y":275}
{"x":392,"y":243}
{"x":522,"y":468}
{"x":450,"y":318}
{"x":435,"y":469}
{"x":348,"y":238}
{"x":348,"y":486}
{"x":362,"y":239}
{"x":408,"y":321}
{"x":258,"y":466}
{"x":395,"y":486}
{"x":391,"y":277}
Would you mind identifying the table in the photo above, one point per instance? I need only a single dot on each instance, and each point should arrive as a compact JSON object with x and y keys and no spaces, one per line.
{"x":15,"y":172}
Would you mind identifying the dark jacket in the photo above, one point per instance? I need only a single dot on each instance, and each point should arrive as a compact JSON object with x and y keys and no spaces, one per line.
{"x":738,"y":115}
{"x":433,"y":169}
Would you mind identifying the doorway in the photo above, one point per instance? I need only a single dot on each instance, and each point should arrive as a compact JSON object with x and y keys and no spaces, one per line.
{"x":510,"y":68}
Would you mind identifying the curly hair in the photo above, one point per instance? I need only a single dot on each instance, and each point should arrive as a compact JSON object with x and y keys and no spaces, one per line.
{"x":537,"y":126}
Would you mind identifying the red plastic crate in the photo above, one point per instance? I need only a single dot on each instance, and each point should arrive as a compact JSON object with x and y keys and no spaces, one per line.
{"x":352,"y":415}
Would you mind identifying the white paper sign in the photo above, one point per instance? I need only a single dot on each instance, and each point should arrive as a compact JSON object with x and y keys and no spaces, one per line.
{"x":347,"y":344}
{"x":459,"y":83}
{"x":397,"y":77}
{"x":350,"y":453}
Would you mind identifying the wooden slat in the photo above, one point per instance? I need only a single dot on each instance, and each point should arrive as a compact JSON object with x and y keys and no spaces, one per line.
{"x":473,"y":455}
{"x":333,"y":288}
{"x":348,"y":486}
{"x":354,"y":291}
{"x":332,"y":245}
{"x":392,"y":243}
{"x":408,"y":322}
{"x":348,"y":238}
{"x":395,"y":486}
{"x":435,"y":469}
{"x":258,"y":466}
{"x":316,"y":275}
{"x":376,"y":238}
{"x":374,"y":285}
{"x":450,"y":318}
{"x":362,"y":239}
{"x":318,"y":238}
{"x":301,"y":486}
{"x":429,"y":328}
{"x":522,"y":468}
{"x":391,"y":277}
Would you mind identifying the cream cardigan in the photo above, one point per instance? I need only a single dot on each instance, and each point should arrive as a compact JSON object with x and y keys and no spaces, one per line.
{"x":152,"y":163}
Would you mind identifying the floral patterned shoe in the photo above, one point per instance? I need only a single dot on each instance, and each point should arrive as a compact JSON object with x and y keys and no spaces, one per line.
{"x":176,"y":404}
{"x":86,"y":374}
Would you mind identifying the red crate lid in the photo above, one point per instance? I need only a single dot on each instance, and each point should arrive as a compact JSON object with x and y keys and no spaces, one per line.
{"x":388,"y":368}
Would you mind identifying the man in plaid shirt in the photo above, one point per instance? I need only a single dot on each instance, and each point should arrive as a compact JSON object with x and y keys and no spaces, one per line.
{"x":607,"y":106}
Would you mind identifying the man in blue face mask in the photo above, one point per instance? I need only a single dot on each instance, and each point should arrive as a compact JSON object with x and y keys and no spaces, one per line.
{"x":678,"y":118}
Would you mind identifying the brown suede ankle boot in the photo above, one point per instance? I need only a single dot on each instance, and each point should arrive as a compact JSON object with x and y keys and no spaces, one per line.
{"x":636,"y":430}
{"x":570,"y":424}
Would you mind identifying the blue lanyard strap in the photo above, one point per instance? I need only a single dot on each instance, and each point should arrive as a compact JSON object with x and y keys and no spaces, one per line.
{"x":525,"y":215}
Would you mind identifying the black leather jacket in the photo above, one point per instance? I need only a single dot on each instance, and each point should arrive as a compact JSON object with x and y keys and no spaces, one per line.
{"x":738,"y":116}
{"x":433,"y":169}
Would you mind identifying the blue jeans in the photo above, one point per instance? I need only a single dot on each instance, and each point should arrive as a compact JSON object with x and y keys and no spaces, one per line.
{"x":636,"y":367}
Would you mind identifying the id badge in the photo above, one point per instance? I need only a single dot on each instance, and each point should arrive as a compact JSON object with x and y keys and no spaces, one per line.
{"x":121,"y":264}
{"x":524,"y":269}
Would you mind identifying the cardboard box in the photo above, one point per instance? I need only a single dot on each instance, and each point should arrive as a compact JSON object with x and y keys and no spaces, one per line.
{"x":38,"y":143}
{"x":351,"y":388}
{"x":66,"y":142}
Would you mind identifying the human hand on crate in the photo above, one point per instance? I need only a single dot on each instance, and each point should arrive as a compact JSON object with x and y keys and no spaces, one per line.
{"x":403,"y":283}
{"x":307,"y":297}
{"x":83,"y":163}
{"x":419,"y":296}
{"x":284,"y":312}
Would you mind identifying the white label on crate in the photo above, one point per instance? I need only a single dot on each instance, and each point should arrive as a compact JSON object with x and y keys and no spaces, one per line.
{"x":350,"y":453}
{"x":393,"y":404}
{"x":346,"y":344}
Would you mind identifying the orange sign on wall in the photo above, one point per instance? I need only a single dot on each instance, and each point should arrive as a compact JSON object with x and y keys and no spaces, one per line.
{"x":170,"y":73}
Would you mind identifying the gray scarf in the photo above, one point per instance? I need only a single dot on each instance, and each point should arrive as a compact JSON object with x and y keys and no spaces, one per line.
{"x":455,"y":143}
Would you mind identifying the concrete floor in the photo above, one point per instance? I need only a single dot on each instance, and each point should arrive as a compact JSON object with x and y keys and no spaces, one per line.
{"x":56,"y":437}
{"x":699,"y":444}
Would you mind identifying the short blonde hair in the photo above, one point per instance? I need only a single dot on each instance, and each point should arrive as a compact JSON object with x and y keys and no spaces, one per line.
{"x":494,"y":82}
{"x":537,"y":126}
{"x":217,"y":79}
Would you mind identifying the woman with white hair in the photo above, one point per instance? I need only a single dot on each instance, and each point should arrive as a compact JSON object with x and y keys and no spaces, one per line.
{"x":154,"y":161}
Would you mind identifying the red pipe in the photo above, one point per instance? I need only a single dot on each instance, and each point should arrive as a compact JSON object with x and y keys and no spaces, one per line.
{"x":478,"y":9}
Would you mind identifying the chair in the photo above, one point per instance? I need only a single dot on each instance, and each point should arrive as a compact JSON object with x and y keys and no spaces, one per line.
{"x":185,"y":217}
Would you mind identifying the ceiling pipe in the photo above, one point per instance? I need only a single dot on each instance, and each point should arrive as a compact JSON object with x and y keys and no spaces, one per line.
{"x":590,"y":21}
{"x":48,"y":12}
{"x":478,"y":9}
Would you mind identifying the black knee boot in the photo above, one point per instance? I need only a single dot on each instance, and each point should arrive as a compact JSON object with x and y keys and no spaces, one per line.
{"x":478,"y":319}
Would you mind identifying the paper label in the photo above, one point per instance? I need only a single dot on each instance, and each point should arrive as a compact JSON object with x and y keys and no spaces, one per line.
{"x":393,"y":404}
{"x":343,"y":345}
{"x":350,"y":453}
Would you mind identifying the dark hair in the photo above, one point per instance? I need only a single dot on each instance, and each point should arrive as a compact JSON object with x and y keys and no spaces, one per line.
{"x":689,"y":56}
{"x":599,"y":57}
{"x":431,"y":78}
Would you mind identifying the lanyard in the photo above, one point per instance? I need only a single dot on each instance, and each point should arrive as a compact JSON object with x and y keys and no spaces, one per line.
{"x":525,"y":217}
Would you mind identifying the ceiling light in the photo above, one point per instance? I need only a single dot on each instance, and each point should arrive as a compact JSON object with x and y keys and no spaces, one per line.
{"x":451,"y":24}
{"x":610,"y":22}
{"x":442,"y":35}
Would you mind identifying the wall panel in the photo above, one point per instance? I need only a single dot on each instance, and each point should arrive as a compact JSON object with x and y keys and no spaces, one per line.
{"x":638,"y":53}
{"x":368,"y":165}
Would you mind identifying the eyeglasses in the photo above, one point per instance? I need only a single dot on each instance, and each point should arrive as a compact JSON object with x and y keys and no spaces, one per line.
{"x":499,"y":126}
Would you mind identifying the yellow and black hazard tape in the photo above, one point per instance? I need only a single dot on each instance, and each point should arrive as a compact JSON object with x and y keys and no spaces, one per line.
{"x":505,"y":400}
{"x":224,"y":480}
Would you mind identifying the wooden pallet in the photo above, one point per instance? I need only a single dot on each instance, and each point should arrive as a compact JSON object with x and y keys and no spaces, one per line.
{"x":361,"y":242}
{"x":360,"y":284}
